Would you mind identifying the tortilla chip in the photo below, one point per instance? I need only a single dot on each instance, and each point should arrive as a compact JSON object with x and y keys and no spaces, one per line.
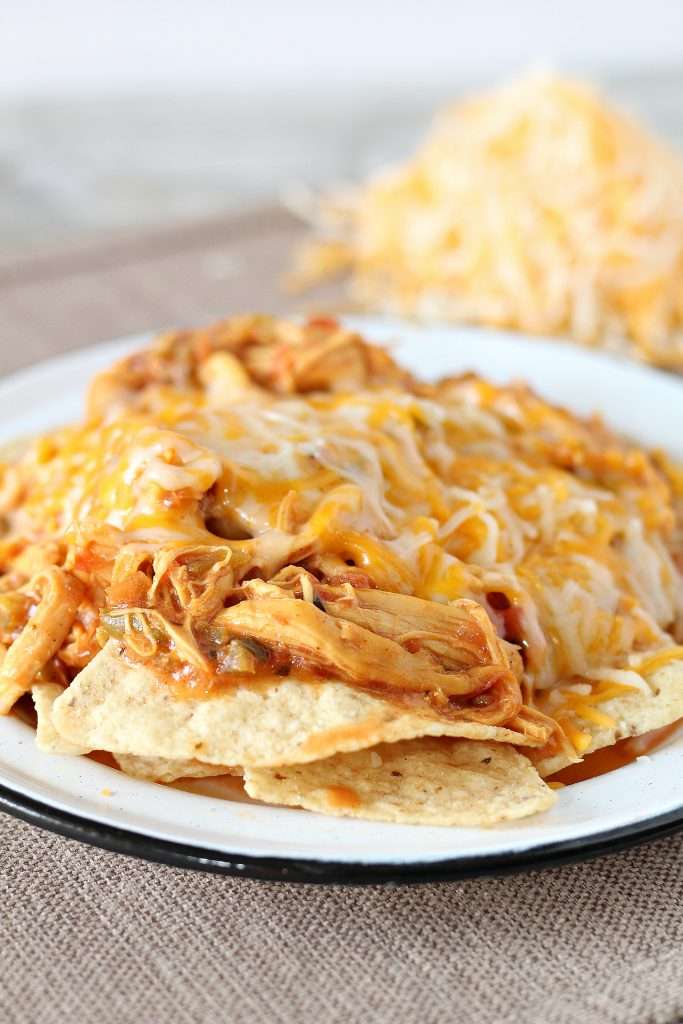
{"x":636,"y":713}
{"x":162,"y":769}
{"x":116,"y":705}
{"x":548,"y":763}
{"x":633,"y":713}
{"x":153,"y":769}
{"x":417,"y":782}
{"x":47,"y":737}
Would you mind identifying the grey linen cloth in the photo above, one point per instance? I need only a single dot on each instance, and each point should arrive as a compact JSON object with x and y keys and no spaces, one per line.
{"x":90,"y":936}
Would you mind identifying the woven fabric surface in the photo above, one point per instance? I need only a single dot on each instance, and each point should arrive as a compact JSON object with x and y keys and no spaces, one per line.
{"x":90,"y":936}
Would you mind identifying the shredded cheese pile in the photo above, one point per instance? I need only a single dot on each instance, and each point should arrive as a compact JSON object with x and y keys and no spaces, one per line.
{"x":535,"y":207}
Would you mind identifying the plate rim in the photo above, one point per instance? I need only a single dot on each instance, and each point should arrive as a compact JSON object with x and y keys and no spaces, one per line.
{"x":310,"y":871}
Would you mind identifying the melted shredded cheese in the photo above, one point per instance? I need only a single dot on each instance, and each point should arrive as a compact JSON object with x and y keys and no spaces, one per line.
{"x":444,"y":499}
{"x":566,"y":537}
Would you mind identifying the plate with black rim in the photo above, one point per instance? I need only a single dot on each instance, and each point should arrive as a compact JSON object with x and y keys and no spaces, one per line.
{"x":210,"y":826}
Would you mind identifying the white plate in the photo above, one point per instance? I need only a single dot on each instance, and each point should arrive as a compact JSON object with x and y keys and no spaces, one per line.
{"x":68,"y":794}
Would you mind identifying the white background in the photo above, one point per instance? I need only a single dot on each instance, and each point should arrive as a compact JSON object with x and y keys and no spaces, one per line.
{"x":72,"y":46}
{"x":121,"y":114}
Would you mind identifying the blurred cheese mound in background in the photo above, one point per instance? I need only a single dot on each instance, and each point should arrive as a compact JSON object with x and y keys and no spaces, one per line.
{"x":535,"y":207}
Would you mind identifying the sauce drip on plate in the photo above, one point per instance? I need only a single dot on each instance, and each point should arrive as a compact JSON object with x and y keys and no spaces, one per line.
{"x":610,"y":758}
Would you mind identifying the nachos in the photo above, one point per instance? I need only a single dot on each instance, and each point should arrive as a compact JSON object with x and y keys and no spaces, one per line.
{"x":270,"y":551}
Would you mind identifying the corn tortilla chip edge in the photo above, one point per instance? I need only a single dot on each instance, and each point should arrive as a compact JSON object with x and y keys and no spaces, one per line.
{"x":425,"y":781}
{"x":114,"y":705}
{"x":633,"y":714}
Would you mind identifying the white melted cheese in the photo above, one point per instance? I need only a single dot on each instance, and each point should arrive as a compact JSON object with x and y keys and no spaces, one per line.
{"x":445,"y":498}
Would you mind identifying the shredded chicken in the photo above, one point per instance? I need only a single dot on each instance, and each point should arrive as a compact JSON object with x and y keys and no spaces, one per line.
{"x":279,"y":356}
{"x":58,"y":595}
{"x":364,"y":657}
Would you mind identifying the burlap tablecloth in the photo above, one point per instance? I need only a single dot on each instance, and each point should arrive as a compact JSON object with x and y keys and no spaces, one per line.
{"x":88,"y":936}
